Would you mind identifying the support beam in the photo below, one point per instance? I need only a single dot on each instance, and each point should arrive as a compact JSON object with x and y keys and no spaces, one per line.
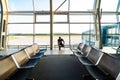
{"x":1,"y":25}
{"x":60,"y":5}
{"x":51,"y":25}
{"x":34,"y":19}
{"x":68,"y":20}
{"x":97,"y":19}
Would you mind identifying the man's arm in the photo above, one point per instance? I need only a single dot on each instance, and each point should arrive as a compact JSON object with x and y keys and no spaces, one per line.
{"x":63,"y":41}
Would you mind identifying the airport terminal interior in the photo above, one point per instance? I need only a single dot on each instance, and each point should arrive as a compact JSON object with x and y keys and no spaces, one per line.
{"x":59,"y":39}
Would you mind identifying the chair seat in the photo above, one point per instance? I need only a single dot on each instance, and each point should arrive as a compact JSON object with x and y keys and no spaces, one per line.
{"x":85,"y":61}
{"x":98,"y":74}
{"x":31,"y":62}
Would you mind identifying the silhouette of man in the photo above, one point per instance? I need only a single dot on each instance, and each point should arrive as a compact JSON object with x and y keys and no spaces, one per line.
{"x":61,"y":43}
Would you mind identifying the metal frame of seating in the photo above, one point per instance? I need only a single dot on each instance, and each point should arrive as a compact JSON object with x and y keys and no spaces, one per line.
{"x":22,"y":61}
{"x":7,"y":67}
{"x":100,"y":65}
{"x":18,"y":65}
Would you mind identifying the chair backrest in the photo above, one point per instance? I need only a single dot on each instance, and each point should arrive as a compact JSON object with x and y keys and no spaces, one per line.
{"x":110,"y":65}
{"x":7,"y":67}
{"x":95,"y":55}
{"x":86,"y":49}
{"x":29,"y":50}
{"x":36,"y":47}
{"x":80,"y":46}
{"x":21,"y":57}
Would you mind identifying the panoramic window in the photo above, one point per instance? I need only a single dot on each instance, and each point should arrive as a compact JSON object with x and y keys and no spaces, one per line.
{"x":32,"y":21}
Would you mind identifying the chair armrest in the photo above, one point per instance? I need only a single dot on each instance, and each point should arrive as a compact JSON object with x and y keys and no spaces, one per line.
{"x":85,"y":61}
{"x":26,"y":67}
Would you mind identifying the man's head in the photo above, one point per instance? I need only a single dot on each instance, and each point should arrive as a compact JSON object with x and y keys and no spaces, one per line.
{"x":59,"y":37}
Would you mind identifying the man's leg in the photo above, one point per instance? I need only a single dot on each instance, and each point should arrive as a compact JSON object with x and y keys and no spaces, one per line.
{"x":59,"y":47}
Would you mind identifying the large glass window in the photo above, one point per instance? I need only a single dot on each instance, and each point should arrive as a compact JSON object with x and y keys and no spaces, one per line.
{"x":31,"y":21}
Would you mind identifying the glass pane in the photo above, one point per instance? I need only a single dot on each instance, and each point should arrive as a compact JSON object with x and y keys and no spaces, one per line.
{"x":42,"y":32}
{"x":20,"y":29}
{"x":20,"y":40}
{"x":75,"y":39}
{"x":80,"y":28}
{"x":81,"y":5}
{"x":81,"y":18}
{"x":60,"y":18}
{"x":110,"y":34}
{"x":42,"y":28}
{"x":78,"y":33}
{"x":57,"y":3}
{"x":42,"y":39}
{"x":60,"y":29}
{"x":20,"y":19}
{"x":20,"y":5}
{"x":43,"y":18}
{"x":42,"y":5}
{"x":109,"y":5}
{"x":109,"y":18}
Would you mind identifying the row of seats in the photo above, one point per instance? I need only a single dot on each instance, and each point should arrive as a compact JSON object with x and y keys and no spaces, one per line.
{"x":100,"y":65}
{"x":18,"y":65}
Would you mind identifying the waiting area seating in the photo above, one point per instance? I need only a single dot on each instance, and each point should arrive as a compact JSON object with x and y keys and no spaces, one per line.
{"x":18,"y":65}
{"x":100,"y":65}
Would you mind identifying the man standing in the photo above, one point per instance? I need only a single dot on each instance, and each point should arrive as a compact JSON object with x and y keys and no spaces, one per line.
{"x":61,"y":43}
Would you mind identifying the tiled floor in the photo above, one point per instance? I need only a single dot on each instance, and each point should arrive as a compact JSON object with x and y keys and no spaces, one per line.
{"x":57,"y":52}
{"x":48,"y":52}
